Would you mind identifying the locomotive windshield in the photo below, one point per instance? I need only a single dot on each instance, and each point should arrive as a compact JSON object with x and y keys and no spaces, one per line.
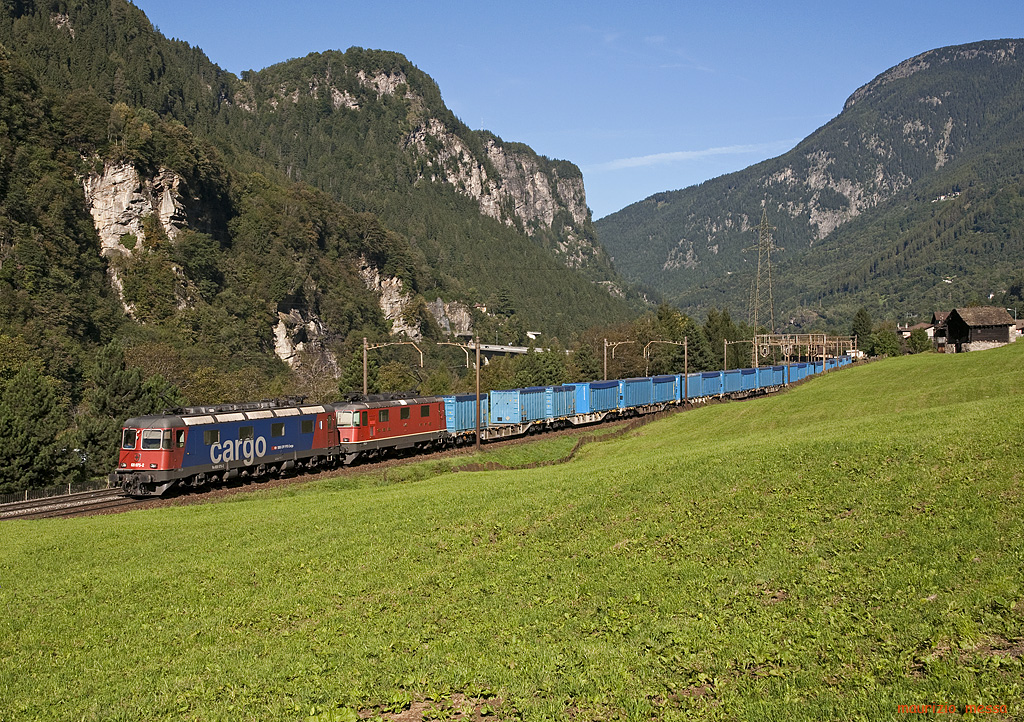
{"x":151,"y":439}
{"x":348,"y":418}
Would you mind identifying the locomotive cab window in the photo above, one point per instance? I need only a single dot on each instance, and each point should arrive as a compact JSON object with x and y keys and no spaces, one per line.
{"x":424,"y":411}
{"x":211,"y":437}
{"x":180,"y":433}
{"x":167,"y":443}
{"x":130,"y":439}
{"x":151,"y":439}
{"x":277,"y":429}
{"x":307,"y":426}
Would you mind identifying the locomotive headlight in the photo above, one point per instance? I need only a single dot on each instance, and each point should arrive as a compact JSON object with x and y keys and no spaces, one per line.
{"x":123,"y":464}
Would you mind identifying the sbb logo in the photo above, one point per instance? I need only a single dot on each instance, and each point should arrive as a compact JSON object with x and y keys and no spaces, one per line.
{"x":244,"y":449}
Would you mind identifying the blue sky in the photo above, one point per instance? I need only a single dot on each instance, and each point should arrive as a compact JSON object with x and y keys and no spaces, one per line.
{"x":642,"y":96}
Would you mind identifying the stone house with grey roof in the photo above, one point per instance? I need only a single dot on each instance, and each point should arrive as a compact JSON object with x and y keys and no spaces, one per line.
{"x":978,"y":328}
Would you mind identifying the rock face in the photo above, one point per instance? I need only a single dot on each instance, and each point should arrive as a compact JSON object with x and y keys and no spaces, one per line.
{"x":453,"y":318}
{"x":512,"y":185}
{"x":119,"y":200}
{"x":545,"y":199}
{"x":395,"y":301}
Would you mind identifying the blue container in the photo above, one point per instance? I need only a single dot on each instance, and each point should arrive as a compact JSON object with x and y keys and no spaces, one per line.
{"x":582,"y":397}
{"x":533,"y":403}
{"x":711,"y":383}
{"x":504,"y":406}
{"x":817,"y":367}
{"x":460,"y":412}
{"x":797,"y":371}
{"x":768,"y":376}
{"x":732,"y":381}
{"x":748,"y":378}
{"x":636,"y":392}
{"x":666,"y":389}
{"x":691,"y":387}
{"x":604,"y":395}
{"x":561,"y":401}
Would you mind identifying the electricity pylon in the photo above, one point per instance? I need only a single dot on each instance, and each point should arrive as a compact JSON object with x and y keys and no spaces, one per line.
{"x":762,"y":301}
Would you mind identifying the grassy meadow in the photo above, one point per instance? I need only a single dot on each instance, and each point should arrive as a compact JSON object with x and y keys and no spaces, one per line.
{"x":829,"y":553}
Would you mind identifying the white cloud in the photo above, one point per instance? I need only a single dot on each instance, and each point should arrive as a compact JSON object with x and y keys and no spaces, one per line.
{"x":682,"y":156}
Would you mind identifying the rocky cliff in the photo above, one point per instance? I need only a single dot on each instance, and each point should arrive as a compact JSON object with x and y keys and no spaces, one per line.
{"x":509,"y":182}
{"x":120,"y":200}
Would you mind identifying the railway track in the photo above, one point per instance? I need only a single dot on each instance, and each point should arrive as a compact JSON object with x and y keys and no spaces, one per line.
{"x":86,"y":502}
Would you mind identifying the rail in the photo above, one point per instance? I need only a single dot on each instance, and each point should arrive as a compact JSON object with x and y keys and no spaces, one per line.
{"x":65,"y":505}
{"x":52,"y":491}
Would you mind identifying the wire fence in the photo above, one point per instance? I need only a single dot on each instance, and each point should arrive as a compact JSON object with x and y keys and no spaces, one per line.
{"x":51,"y":491}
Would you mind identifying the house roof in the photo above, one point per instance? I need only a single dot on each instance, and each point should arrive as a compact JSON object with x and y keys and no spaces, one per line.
{"x":922,"y":325}
{"x":984,"y":316}
{"x":940,"y":316}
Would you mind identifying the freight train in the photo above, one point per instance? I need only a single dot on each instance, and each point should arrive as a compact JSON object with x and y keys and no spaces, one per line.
{"x":208,"y":445}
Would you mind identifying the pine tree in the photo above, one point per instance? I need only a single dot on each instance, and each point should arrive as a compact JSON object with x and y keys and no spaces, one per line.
{"x":862,"y":326}
{"x":352,"y":379}
{"x":31,"y":419}
{"x":114,"y":393}
{"x":583,"y":364}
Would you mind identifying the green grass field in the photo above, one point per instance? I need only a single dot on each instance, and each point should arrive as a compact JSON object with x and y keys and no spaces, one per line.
{"x":830,"y":553}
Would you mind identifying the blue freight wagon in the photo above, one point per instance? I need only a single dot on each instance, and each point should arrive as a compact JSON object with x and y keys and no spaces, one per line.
{"x":533,"y":403}
{"x":460,"y":412}
{"x":732,"y":381}
{"x":768,"y":376}
{"x":596,"y":396}
{"x":748,"y":379}
{"x":691,"y":387}
{"x":666,"y":389}
{"x":636,"y":392}
{"x":711,"y":383}
{"x":560,"y":401}
{"x":504,"y":407}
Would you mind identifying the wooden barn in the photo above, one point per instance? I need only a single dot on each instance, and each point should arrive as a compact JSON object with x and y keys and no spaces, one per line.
{"x":981,"y":327}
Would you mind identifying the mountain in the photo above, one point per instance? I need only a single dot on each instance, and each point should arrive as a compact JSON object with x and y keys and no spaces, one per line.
{"x":916,"y":182}
{"x":239,"y":222}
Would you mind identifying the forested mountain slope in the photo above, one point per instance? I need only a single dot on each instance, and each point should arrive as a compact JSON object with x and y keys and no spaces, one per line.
{"x":916,"y":181}
{"x":235,"y":238}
